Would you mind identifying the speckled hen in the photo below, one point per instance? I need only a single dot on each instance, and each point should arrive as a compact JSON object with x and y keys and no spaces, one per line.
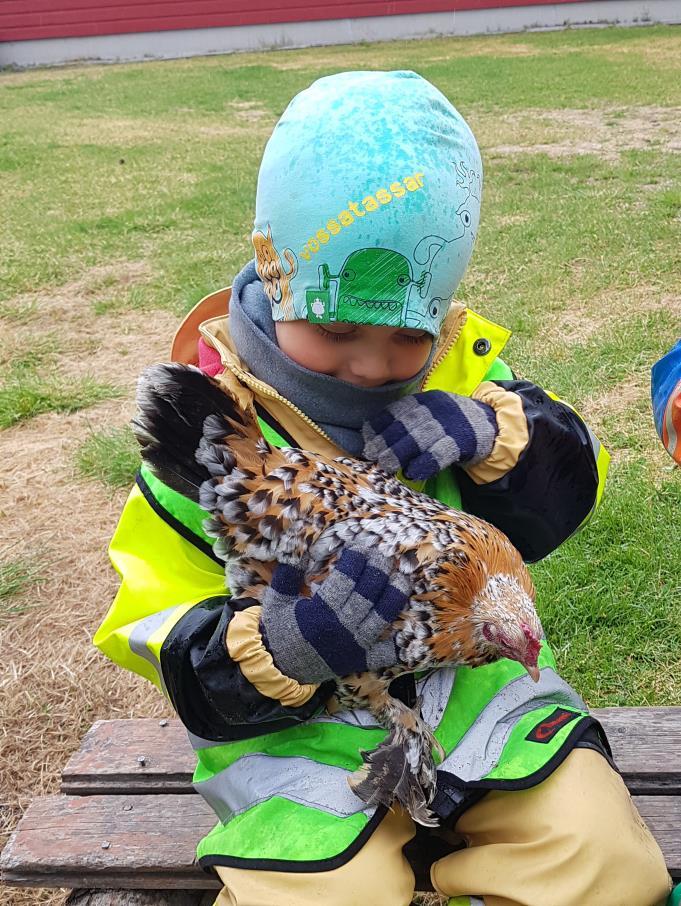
{"x":472,"y":600}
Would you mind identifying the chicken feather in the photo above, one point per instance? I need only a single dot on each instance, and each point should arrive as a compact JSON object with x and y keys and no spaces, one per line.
{"x":472,"y":599}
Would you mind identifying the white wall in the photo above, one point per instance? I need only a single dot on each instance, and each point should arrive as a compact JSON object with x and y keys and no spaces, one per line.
{"x":201,"y":41}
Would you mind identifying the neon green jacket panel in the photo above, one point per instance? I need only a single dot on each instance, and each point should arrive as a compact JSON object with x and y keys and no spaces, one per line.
{"x":162,"y":573}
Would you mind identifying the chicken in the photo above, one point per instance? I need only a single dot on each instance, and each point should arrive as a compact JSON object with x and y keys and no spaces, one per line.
{"x":472,"y":599}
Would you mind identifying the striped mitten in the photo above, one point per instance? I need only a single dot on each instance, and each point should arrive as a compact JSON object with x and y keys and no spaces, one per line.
{"x":427,"y":432}
{"x":340,"y":629}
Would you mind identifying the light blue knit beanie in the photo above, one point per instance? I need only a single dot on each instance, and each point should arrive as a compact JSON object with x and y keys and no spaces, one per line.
{"x":368,"y":203}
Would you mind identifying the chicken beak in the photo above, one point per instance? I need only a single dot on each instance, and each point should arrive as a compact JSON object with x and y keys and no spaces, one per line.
{"x":534,"y":673}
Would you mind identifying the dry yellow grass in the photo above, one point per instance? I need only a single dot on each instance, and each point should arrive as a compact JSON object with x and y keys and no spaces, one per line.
{"x":242,"y":124}
{"x":583,"y":318}
{"x":566,"y":132}
{"x":605,"y":131}
{"x":112,"y":347}
{"x":54,"y":683}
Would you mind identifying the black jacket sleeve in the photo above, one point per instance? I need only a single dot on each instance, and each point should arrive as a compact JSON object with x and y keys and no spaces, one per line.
{"x":552,"y":488}
{"x":211,"y":695}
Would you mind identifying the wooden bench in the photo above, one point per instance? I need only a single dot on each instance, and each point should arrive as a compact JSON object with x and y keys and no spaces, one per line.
{"x":127,"y":818}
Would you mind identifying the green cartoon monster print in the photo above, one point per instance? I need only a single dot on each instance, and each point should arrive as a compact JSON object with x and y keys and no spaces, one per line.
{"x":372,"y":288}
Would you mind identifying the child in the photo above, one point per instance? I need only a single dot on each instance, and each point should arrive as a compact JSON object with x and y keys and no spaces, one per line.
{"x":666,"y":395}
{"x":343,"y":336}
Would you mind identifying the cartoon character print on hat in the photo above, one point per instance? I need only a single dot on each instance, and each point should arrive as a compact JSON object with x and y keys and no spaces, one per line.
{"x":276,"y":280}
{"x":445,"y":250}
{"x":372,"y":287}
{"x":378,"y":286}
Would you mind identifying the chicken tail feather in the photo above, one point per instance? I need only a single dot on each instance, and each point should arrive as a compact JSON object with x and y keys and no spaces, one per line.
{"x":178,"y":405}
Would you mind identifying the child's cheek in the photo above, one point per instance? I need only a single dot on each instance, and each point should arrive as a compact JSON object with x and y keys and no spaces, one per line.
{"x":314,"y":358}
{"x":303,"y":344}
{"x":410,"y":361}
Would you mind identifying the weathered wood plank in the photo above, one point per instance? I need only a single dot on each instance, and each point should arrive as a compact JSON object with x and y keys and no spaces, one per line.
{"x":140,"y":898}
{"x":646,"y":743}
{"x":152,"y":839}
{"x":133,"y":756}
{"x":109,"y":841}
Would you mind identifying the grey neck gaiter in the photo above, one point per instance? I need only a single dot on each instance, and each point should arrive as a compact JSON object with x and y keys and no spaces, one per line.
{"x":339,"y":408}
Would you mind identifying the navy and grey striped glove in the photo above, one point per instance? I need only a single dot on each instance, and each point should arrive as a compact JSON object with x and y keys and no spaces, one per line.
{"x":427,"y":432}
{"x":340,"y":629}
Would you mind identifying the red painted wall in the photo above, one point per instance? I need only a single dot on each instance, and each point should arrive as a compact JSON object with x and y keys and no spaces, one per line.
{"x":21,"y":20}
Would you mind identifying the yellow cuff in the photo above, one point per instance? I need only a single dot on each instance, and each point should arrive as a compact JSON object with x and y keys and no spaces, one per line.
{"x":513,"y":433}
{"x":245,"y":646}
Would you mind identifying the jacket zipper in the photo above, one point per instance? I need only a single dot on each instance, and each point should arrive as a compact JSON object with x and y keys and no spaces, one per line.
{"x":444,"y":352}
{"x":266,"y":390}
{"x":255,"y":384}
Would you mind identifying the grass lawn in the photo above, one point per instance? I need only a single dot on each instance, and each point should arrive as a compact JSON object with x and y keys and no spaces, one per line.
{"x":127,"y":193}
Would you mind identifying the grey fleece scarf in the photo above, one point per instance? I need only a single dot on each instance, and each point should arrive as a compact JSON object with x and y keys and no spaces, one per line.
{"x":339,"y":408}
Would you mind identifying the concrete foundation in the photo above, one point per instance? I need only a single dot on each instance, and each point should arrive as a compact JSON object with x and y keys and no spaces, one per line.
{"x":203,"y":41}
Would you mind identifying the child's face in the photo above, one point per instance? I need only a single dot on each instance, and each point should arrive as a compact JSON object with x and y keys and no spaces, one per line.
{"x":361,"y":354}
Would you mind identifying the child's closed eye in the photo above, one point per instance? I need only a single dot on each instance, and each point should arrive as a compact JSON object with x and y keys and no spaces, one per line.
{"x":335,"y":336}
{"x":417,"y":339}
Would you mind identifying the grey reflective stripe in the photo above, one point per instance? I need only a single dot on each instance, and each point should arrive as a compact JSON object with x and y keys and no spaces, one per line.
{"x":197,"y":742}
{"x":140,"y":635}
{"x":479,"y":751}
{"x":256,"y":778}
{"x":596,"y":447}
{"x":595,"y":443}
{"x":434,"y":690}
{"x":358,"y":717}
{"x":477,"y":901}
{"x":355,"y":718}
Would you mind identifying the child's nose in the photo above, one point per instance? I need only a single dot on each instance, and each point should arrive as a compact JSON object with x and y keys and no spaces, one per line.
{"x":370,"y":369}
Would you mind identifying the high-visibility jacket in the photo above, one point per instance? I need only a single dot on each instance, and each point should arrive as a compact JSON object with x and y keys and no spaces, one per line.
{"x":271,"y":761}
